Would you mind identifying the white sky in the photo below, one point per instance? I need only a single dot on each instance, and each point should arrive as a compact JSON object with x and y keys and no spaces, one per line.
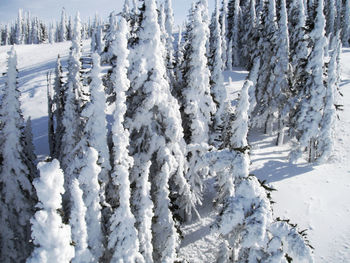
{"x":50,"y":10}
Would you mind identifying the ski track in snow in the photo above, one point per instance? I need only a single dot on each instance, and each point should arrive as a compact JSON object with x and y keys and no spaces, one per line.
{"x":314,"y":197}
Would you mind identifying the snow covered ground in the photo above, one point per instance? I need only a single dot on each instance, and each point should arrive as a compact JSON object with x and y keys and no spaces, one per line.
{"x":314,"y":197}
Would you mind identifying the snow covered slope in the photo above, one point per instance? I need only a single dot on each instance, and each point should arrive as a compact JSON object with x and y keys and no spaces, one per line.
{"x":315,"y":197}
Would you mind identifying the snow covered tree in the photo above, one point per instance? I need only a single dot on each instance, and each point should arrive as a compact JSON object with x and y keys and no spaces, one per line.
{"x":330,"y":17}
{"x":29,"y":149}
{"x":326,"y":141}
{"x":96,"y":124}
{"x":107,"y":55}
{"x":51,"y":237}
{"x":249,"y":37}
{"x":263,"y":113}
{"x":73,"y":92}
{"x":78,"y":225}
{"x":123,"y":238}
{"x":281,"y":70}
{"x":156,"y":143}
{"x":223,"y":24}
{"x":234,"y":11}
{"x":59,"y":102}
{"x":63,"y":27}
{"x":169,"y":24}
{"x":18,"y":195}
{"x":346,"y":24}
{"x":309,"y":114}
{"x":19,"y":38}
{"x":218,"y":90}
{"x":197,"y":105}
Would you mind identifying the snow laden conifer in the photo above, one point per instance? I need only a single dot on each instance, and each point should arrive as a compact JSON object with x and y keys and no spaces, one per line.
{"x":281,"y":70}
{"x":70,"y":117}
{"x":263,"y":113}
{"x":78,"y":225}
{"x":51,"y":237}
{"x":309,"y":114}
{"x":197,"y":103}
{"x":96,"y":125}
{"x":18,"y":195}
{"x":123,"y":239}
{"x":62,"y":35}
{"x":223,"y":24}
{"x":326,"y":141}
{"x":346,"y":24}
{"x":169,"y":46}
{"x":218,"y":90}
{"x":156,"y":142}
{"x":90,"y":164}
{"x":59,"y":104}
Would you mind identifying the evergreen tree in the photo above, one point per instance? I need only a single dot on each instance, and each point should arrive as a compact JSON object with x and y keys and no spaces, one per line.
{"x":311,"y":108}
{"x":123,"y":238}
{"x":223,"y":23}
{"x":346,"y":24}
{"x":218,"y":90}
{"x":197,"y":103}
{"x":96,"y":124}
{"x":156,"y":142}
{"x":63,"y":27}
{"x":326,"y":140}
{"x":19,"y":29}
{"x":263,"y":114}
{"x":78,"y":225}
{"x":51,"y":237}
{"x":169,"y":24}
{"x":59,"y":102}
{"x":18,"y":195}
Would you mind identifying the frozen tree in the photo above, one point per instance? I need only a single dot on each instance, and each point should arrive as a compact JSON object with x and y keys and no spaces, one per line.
{"x":51,"y":237}
{"x":28,"y":147}
{"x":253,"y":77}
{"x":96,"y":124}
{"x":59,"y":102}
{"x":107,"y":55}
{"x":63,"y":26}
{"x":197,"y":103}
{"x":19,"y":37}
{"x":247,"y":222}
{"x":249,"y":37}
{"x":156,"y":143}
{"x":78,"y":225}
{"x":346,"y":24}
{"x":18,"y":195}
{"x":239,"y":127}
{"x":246,"y":219}
{"x":326,"y":141}
{"x":218,"y":90}
{"x":263,"y":113}
{"x":330,"y":17}
{"x":229,"y":56}
{"x":281,"y":71}
{"x":169,"y":46}
{"x":70,"y":116}
{"x":309,"y":114}
{"x":223,"y":23}
{"x":233,"y":35}
{"x":123,"y":238}
{"x":85,"y":169}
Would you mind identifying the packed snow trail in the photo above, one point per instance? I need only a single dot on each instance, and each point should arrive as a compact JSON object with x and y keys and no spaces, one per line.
{"x":314,"y":197}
